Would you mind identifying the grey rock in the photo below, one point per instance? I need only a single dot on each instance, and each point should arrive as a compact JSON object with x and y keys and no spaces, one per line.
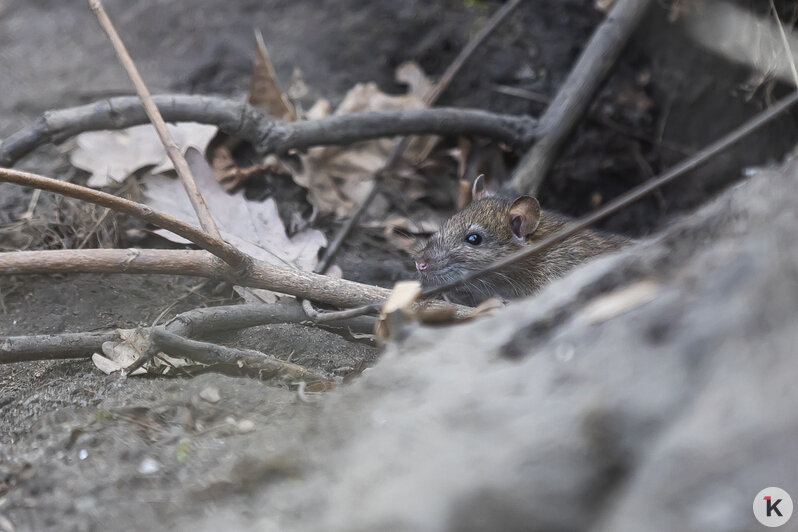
{"x":670,"y":416}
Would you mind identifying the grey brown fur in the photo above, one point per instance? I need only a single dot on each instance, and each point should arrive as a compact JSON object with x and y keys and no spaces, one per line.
{"x":449,"y":256}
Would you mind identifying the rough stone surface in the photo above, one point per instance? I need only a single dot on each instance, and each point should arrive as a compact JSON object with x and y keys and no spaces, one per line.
{"x":671,"y":415}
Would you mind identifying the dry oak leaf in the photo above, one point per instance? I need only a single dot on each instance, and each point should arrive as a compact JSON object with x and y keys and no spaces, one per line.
{"x":339,"y":178}
{"x":253,"y":227}
{"x":112,"y":156}
{"x":264,"y":89}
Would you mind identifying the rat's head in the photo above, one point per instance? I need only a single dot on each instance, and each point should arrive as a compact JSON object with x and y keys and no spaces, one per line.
{"x":484,"y":231}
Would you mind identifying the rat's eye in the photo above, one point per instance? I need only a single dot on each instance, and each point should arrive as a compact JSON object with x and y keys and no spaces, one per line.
{"x":474,"y":239}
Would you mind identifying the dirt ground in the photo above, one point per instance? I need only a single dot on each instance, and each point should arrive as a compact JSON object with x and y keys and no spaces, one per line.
{"x":80,"y":450}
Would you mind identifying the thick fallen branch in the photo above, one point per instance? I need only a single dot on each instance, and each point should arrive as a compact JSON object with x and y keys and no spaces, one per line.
{"x":576,"y":94}
{"x":193,"y":323}
{"x":52,"y":346}
{"x":266,"y":134}
{"x":202,"y":321}
{"x":336,"y":292}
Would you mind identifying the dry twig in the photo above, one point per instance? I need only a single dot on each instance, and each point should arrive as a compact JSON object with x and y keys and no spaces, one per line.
{"x":201,"y":321}
{"x":574,"y":97}
{"x":218,"y":247}
{"x":327,"y":317}
{"x":246,"y":359}
{"x":786,"y":43}
{"x":172,"y":149}
{"x":633,"y":195}
{"x":336,"y":292}
{"x":430,"y":98}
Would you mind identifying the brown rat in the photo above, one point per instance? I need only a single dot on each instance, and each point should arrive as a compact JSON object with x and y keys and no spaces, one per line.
{"x":492,"y":227}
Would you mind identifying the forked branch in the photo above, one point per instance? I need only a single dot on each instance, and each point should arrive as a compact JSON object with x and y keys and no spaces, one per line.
{"x":228,"y":253}
{"x":266,"y":134}
{"x":577,"y":92}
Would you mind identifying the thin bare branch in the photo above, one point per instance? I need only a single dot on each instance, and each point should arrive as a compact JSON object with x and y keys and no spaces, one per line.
{"x":218,"y":247}
{"x":633,"y":195}
{"x":786,"y":43}
{"x":196,"y":322}
{"x":577,"y":92}
{"x":172,"y":149}
{"x":247,"y":359}
{"x":333,"y":316}
{"x":598,"y":119}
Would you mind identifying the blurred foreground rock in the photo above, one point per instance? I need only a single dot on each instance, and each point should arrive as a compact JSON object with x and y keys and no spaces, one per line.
{"x":562,"y":412}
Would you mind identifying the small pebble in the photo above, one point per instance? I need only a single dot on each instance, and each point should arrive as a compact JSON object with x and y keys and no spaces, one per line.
{"x":210,"y":394}
{"x":245,"y":425}
{"x":149,"y":466}
{"x":83,"y":454}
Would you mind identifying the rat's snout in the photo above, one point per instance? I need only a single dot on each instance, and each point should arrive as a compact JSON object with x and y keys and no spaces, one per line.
{"x":422,"y":264}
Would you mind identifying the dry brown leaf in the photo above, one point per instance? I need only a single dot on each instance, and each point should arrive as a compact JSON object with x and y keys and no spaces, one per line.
{"x":120,"y":354}
{"x":112,"y":156}
{"x":264,"y":90}
{"x":414,"y":77}
{"x":397,"y":310}
{"x":132,"y":345}
{"x":320,"y":109}
{"x":253,"y":227}
{"x":420,"y":85}
{"x":339,"y":178}
{"x":402,"y":297}
{"x":265,"y":94}
{"x":232,"y":177}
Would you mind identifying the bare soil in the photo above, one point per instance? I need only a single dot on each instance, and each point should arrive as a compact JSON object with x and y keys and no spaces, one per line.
{"x":83,"y":451}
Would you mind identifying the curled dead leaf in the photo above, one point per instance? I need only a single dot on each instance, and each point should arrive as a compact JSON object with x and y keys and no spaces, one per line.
{"x":619,"y":302}
{"x":112,"y":156}
{"x":397,"y":310}
{"x":264,"y":89}
{"x":339,"y":178}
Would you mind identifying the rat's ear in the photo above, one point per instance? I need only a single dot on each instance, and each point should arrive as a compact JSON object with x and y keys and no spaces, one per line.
{"x":479,"y":190}
{"x":524,"y":217}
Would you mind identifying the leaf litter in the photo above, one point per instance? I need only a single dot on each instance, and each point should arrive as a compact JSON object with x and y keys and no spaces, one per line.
{"x":337,"y":178}
{"x":112,"y":156}
{"x":253,"y":227}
